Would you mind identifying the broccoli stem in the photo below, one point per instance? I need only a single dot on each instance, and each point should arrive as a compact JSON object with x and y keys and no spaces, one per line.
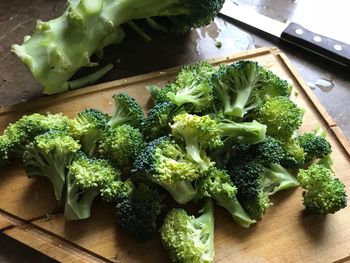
{"x":182,"y":191}
{"x":239,"y":215}
{"x":245,"y":132}
{"x":240,"y":102}
{"x":78,"y":201}
{"x":279,"y":179}
{"x":184,"y":96}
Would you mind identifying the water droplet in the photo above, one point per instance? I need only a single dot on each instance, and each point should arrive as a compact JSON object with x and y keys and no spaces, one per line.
{"x":326,"y":85}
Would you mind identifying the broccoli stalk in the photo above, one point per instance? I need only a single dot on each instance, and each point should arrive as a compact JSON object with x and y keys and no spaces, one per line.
{"x":49,"y":155}
{"x":187,"y":238}
{"x":58,"y":48}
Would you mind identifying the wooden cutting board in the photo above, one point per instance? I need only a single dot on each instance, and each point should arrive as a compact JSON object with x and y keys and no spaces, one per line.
{"x":29,"y":213}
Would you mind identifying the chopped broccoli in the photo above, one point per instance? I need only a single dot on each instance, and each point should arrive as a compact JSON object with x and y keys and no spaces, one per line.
{"x":90,"y":125}
{"x":281,"y":115}
{"x":137,"y":212}
{"x":165,"y":163}
{"x":159,"y":95}
{"x":189,"y":239}
{"x":323,"y":192}
{"x":193,"y":86}
{"x":18,"y":134}
{"x":157,"y":123}
{"x":48,"y":155}
{"x":256,"y":183}
{"x":6,"y":147}
{"x":127,"y":111}
{"x":121,"y":145}
{"x":58,"y":48}
{"x":116,"y":189}
{"x":85,"y":178}
{"x":294,"y":154}
{"x":314,"y":144}
{"x":198,"y":132}
{"x":218,"y":186}
{"x":244,"y":85}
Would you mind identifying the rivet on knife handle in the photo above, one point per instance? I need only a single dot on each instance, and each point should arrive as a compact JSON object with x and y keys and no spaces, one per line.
{"x":327,"y":47}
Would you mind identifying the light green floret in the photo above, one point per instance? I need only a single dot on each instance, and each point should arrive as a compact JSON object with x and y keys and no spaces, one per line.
{"x":189,"y":239}
{"x":49,"y":155}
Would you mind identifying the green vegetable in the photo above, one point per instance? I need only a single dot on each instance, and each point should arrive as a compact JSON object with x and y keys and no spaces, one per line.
{"x":137,"y":212}
{"x":189,"y":239}
{"x":218,"y":186}
{"x":166,"y":164}
{"x":48,"y":155}
{"x":58,"y":48}
{"x":323,"y":192}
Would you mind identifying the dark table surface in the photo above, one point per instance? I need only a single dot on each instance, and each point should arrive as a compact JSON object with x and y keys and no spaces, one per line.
{"x":135,"y":56}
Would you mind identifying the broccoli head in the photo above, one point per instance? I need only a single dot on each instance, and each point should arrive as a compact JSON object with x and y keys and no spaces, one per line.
{"x":121,"y":145}
{"x":294,"y":154}
{"x":163,"y":162}
{"x":324,"y":193}
{"x":90,"y":125}
{"x":281,"y":115}
{"x":127,"y":111}
{"x":137,"y":212}
{"x":199,"y":134}
{"x":194,"y":87}
{"x":85,"y":178}
{"x":189,"y":239}
{"x":218,"y":186}
{"x":314,"y":144}
{"x":48,"y":155}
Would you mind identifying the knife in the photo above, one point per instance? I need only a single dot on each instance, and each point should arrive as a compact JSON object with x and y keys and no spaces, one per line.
{"x":290,"y":32}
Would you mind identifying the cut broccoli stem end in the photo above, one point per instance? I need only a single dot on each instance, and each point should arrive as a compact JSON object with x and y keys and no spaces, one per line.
{"x":182,"y":191}
{"x":207,"y":218}
{"x":239,"y":215}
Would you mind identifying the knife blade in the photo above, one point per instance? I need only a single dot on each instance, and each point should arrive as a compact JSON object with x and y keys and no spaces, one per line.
{"x":290,"y":32}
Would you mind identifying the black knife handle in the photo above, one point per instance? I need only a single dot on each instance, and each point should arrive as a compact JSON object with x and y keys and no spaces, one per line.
{"x":325,"y":46}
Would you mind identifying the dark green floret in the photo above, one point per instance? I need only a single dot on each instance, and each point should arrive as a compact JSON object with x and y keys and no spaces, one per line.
{"x":126,"y":111}
{"x":137,"y":212}
{"x":315,"y":145}
{"x":189,"y":239}
{"x":49,"y":155}
{"x":163,"y":162}
{"x":121,"y":145}
{"x":324,"y":193}
{"x":218,"y":186}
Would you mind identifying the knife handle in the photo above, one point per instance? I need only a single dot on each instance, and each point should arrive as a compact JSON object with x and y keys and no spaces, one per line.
{"x":325,"y":46}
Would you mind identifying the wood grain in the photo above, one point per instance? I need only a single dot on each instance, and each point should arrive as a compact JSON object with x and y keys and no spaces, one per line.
{"x":286,"y":233}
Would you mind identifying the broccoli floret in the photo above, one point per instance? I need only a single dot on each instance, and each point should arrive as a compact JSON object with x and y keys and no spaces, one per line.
{"x":90,"y":125}
{"x":244,"y":85}
{"x":137,"y":212}
{"x":159,"y":95}
{"x":5,"y":150}
{"x":281,"y":115}
{"x":165,"y":163}
{"x":243,"y":132}
{"x":294,"y":154}
{"x":121,"y":145}
{"x":314,"y":144}
{"x":18,"y":134}
{"x":256,"y":183}
{"x":58,"y":48}
{"x":198,"y":132}
{"x":218,"y":186}
{"x":194,"y":87}
{"x":158,"y":119}
{"x":85,"y":178}
{"x":48,"y":155}
{"x":189,"y":239}
{"x":127,"y":111}
{"x":324,"y":193}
